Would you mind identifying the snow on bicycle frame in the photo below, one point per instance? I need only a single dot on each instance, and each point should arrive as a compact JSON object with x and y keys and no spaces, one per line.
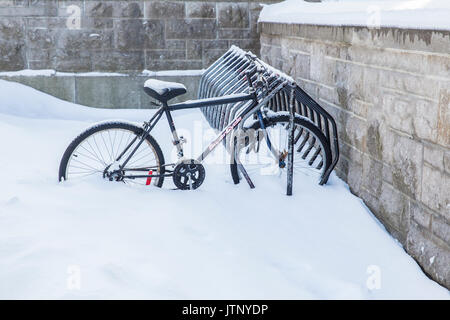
{"x":241,"y":97}
{"x":227,"y":75}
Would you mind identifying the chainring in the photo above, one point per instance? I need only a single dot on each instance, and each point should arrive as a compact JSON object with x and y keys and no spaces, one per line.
{"x":188,"y":175}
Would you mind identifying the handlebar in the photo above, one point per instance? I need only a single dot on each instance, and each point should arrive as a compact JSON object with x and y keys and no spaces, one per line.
{"x":264,"y":76}
{"x":249,"y":79}
{"x":260,"y":68}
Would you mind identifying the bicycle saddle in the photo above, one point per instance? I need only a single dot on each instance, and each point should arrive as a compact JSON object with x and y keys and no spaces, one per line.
{"x":163,"y":90}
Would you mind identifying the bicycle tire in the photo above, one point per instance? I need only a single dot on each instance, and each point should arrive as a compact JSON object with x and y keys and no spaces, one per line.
{"x":300,"y":122}
{"x":85,"y":135}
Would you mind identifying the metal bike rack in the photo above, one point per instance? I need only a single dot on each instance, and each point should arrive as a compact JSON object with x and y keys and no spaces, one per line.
{"x":227,"y":76}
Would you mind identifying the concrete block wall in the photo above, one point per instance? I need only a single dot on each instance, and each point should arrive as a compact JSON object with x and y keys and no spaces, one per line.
{"x":123,"y":35}
{"x":104,"y":91}
{"x":389,"y":91}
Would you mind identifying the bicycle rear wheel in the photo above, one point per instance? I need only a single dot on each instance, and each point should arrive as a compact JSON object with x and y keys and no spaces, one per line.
{"x":312,"y":155}
{"x":96,"y":149}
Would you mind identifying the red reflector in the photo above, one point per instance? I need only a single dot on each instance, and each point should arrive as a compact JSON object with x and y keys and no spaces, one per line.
{"x":149,"y":179}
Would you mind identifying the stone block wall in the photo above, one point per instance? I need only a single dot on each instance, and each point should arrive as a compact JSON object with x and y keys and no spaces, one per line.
{"x":123,"y":35}
{"x":389,"y":91}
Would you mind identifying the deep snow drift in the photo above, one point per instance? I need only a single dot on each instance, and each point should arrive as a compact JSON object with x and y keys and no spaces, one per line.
{"x":109,"y":240}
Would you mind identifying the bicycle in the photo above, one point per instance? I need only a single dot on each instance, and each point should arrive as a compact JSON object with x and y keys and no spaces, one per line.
{"x":123,"y":152}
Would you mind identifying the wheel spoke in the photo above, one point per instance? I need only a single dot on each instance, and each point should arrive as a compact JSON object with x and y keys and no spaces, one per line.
{"x":92,"y":154}
{"x":119,"y":145}
{"x":145,"y":155}
{"x":112,"y":147}
{"x":86,"y":165}
{"x":98,"y":151}
{"x":106,"y":147}
{"x":85,"y":155}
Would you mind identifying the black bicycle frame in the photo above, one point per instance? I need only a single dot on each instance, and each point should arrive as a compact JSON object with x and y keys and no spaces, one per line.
{"x":200,"y":103}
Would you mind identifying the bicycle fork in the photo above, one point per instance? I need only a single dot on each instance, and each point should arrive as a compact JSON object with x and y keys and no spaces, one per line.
{"x":277,"y":155}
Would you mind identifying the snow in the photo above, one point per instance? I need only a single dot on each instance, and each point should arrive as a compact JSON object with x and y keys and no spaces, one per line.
{"x":168,"y":73}
{"x":414,"y":14}
{"x":161,"y":86}
{"x":98,"y":239}
{"x":267,"y":66}
{"x":90,"y":74}
{"x":29,"y":73}
{"x":52,"y":73}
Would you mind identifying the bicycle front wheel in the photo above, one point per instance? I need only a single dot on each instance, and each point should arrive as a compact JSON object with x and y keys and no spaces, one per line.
{"x":312,"y":155}
{"x":95,"y":150}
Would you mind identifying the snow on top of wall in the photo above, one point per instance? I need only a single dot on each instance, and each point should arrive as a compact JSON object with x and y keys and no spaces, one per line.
{"x":29,"y":73}
{"x":166,"y":73}
{"x":51,"y":73}
{"x":411,"y":14}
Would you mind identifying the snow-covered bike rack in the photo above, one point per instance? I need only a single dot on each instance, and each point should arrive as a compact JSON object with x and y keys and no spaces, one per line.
{"x":227,"y":75}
